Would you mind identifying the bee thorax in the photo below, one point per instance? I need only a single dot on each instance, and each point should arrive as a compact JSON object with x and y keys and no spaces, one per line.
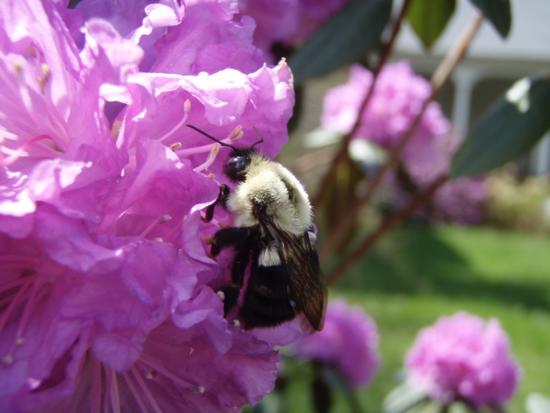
{"x":280,"y":196}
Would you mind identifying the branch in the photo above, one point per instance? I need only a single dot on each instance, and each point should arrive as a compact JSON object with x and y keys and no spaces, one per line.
{"x":327,"y":178}
{"x":439,"y":79}
{"x":417,"y":201}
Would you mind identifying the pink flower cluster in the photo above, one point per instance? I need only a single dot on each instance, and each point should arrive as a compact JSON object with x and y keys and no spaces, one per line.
{"x":464,"y":357}
{"x":398,"y":97}
{"x":108,"y":298}
{"x":349,"y":341}
{"x":461,"y":201}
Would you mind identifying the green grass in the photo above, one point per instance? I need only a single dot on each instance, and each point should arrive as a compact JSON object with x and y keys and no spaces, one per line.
{"x":415,"y":275}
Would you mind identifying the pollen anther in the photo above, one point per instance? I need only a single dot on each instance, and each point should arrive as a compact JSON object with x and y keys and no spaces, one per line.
{"x":236,"y":133}
{"x":176,"y":146}
{"x":7,"y":359}
{"x":45,"y":77}
{"x":211,"y":158}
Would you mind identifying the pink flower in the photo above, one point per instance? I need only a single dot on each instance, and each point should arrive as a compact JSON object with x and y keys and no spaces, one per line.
{"x":397,"y":100}
{"x":464,"y":357}
{"x":107,"y":294}
{"x":180,"y":37}
{"x":287,"y":21}
{"x":461,"y":201}
{"x":349,"y":341}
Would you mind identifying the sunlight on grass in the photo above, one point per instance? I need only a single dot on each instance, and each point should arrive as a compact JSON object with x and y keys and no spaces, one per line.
{"x":399,"y":317}
{"x":417,"y":274}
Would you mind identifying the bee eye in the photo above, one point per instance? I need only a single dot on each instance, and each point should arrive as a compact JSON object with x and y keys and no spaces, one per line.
{"x":236,"y":166}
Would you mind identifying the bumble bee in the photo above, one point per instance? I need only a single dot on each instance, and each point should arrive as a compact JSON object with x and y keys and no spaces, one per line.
{"x":274,"y":237}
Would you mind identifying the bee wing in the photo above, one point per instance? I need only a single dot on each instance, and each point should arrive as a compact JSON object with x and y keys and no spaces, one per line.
{"x":307,"y":287}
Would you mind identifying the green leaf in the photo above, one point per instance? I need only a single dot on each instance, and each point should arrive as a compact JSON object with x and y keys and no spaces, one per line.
{"x":404,"y":398}
{"x":350,"y":34}
{"x":429,"y":18}
{"x":512,"y":126}
{"x":498,"y":12}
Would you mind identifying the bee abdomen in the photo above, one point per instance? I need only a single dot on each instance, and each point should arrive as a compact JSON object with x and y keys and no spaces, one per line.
{"x":270,"y":282}
{"x":259,"y":311}
{"x":266,"y":301}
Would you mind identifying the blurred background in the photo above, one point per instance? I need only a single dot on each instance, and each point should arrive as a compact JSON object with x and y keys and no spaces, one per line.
{"x":483,"y":248}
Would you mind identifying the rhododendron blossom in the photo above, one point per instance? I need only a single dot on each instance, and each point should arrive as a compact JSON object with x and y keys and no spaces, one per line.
{"x":397,"y":100}
{"x":348,"y":341}
{"x":464,"y":357}
{"x":460,"y":200}
{"x":108,"y":297}
{"x":398,"y":97}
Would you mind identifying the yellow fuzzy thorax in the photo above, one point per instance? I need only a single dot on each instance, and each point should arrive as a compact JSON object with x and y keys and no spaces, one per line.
{"x":275,"y":186}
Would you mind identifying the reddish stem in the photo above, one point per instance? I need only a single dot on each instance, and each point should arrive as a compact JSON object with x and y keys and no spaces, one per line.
{"x":418,"y":200}
{"x":388,"y":47}
{"x":439,"y":79}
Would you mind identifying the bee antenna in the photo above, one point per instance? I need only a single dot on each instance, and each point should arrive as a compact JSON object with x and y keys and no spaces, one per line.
{"x":257,"y":142}
{"x":209,"y":136}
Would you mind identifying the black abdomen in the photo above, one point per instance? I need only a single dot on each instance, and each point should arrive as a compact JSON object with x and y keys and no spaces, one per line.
{"x":266,"y":301}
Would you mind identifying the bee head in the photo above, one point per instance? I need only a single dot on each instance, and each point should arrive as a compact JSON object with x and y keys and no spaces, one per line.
{"x":236,"y":166}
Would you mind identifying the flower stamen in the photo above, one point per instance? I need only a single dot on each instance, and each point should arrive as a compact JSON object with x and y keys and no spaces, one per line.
{"x":135,"y":393}
{"x":214,"y":151}
{"x":236,"y":133}
{"x":161,"y":220}
{"x":31,"y":301}
{"x":19,"y":296}
{"x":44,"y":77}
{"x":7,"y":359}
{"x":9,"y":285}
{"x":146,"y":390}
{"x":175,"y":146}
{"x":14,"y":154}
{"x":96,"y":386}
{"x":181,"y":123}
{"x":115,"y":396}
{"x":168,"y":374}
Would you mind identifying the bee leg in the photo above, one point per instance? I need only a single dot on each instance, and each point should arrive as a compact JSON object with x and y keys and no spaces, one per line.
{"x":233,"y":236}
{"x":220,"y":200}
{"x":238,"y":269}
{"x":231,"y":295}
